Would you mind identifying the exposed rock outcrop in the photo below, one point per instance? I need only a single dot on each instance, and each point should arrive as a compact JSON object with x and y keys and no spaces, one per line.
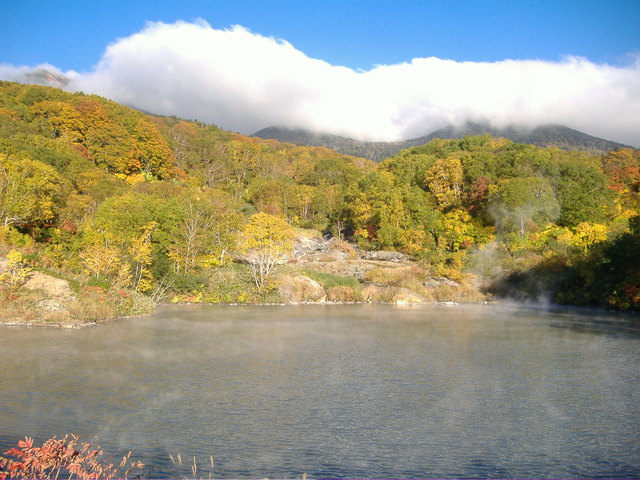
{"x":383,"y":255}
{"x":384,"y":276}
{"x":440,"y":281}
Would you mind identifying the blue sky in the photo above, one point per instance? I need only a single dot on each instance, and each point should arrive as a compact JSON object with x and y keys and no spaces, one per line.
{"x":358,"y":34}
{"x":374,"y":70}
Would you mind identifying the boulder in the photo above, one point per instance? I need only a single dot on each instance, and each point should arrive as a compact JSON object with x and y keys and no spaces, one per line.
{"x":305,"y":245}
{"x":301,"y":289}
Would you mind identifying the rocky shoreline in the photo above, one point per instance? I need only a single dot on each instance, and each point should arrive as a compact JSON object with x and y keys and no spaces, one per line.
{"x":318,"y":271}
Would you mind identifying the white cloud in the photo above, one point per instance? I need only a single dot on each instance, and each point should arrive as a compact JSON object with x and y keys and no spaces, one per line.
{"x":243,"y":81}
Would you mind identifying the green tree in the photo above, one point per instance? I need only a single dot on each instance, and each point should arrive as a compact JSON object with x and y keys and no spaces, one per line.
{"x":206,"y":232}
{"x":123,"y":220}
{"x":409,"y":167}
{"x":519,"y":203}
{"x":275,"y":196}
{"x":582,"y":193}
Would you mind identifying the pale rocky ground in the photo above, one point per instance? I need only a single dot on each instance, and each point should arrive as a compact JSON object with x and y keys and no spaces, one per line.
{"x":50,"y":301}
{"x":340,"y":258}
{"x":58,"y":292}
{"x":409,"y":282}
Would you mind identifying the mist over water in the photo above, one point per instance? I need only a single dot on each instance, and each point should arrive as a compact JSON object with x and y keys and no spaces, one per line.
{"x":339,"y":391}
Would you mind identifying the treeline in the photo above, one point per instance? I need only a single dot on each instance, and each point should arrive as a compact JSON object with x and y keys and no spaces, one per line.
{"x":163,"y":206}
{"x":156,"y":205}
{"x":532,"y":223}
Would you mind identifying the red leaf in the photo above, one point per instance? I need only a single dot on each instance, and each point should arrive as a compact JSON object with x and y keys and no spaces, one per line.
{"x":26,"y":443}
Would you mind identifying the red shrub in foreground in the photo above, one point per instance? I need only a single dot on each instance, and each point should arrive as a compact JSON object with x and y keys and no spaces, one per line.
{"x":61,"y":456}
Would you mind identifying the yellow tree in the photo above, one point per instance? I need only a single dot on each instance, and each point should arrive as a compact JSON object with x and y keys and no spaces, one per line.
{"x":102,"y":260}
{"x":361,"y":213}
{"x":584,"y":235}
{"x":16,"y":272}
{"x":242,"y":152}
{"x":304,"y":197}
{"x":456,"y":231}
{"x":92,"y":112}
{"x":29,"y":191}
{"x":65,"y":121}
{"x":267,"y":239}
{"x":140,"y":251}
{"x":153,"y":152}
{"x":444,"y":180}
{"x":111,"y":147}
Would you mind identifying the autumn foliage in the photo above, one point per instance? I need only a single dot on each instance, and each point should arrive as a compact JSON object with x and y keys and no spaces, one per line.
{"x":62,"y":457}
{"x":165,"y":208}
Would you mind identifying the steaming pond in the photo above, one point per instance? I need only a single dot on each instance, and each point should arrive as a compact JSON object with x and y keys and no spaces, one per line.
{"x":339,"y":391}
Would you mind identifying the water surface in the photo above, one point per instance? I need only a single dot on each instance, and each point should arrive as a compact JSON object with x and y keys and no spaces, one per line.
{"x":339,"y":391}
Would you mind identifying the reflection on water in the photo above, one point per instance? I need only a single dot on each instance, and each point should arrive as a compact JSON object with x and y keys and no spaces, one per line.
{"x":340,"y":391}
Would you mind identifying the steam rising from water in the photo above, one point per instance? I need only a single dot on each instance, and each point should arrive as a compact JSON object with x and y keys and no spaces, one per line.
{"x":340,"y":391}
{"x":244,"y":81}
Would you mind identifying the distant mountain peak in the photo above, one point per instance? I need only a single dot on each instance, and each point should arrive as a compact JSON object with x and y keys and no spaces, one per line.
{"x":557,"y":136}
{"x":45,"y":77}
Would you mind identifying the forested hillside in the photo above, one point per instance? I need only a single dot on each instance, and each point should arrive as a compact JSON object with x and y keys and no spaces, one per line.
{"x":132,"y":207}
{"x":543,"y":136}
{"x":532,"y":223}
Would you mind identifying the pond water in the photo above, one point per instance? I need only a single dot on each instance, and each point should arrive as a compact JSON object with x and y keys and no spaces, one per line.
{"x":339,"y":391}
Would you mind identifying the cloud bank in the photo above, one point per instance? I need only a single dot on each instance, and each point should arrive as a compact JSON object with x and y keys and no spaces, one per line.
{"x":243,"y":81}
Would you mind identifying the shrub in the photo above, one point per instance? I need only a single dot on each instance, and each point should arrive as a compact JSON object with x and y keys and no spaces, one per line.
{"x":96,"y":304}
{"x":342,"y":293}
{"x":62,"y":456}
{"x":188,"y":282}
{"x":230,"y":284}
{"x":17,"y":305}
{"x":16,"y":272}
{"x":10,"y":236}
{"x":346,"y":247}
{"x":408,"y":277}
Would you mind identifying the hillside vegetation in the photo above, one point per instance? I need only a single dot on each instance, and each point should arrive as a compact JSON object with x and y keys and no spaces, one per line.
{"x":134,"y":209}
{"x":543,"y":136}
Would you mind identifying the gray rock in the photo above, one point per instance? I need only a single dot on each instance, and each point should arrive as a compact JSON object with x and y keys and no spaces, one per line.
{"x":305,"y":246}
{"x":383,"y":255}
{"x":440,"y":281}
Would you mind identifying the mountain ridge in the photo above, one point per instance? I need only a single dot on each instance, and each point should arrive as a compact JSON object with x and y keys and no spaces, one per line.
{"x":557,"y":136}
